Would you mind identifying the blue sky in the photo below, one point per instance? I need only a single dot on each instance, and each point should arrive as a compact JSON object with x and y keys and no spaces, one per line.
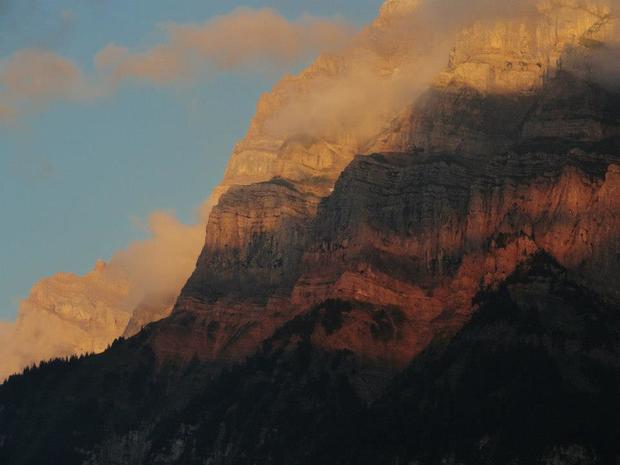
{"x":75,"y":176}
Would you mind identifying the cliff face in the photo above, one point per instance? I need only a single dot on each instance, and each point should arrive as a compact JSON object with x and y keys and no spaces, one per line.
{"x":475,"y":178}
{"x":483,"y":99}
{"x":460,"y":225}
{"x":452,"y":297}
{"x":304,"y":129}
{"x":310,"y":126}
{"x":240,"y":290}
{"x":66,"y":315}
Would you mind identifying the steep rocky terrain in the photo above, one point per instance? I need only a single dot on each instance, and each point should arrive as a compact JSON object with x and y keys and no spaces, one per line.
{"x":150,"y":309}
{"x":500,"y":129}
{"x":310,"y":126}
{"x":65,"y":315}
{"x":450,"y":297}
{"x":531,"y":378}
{"x":278,"y":144}
{"x":68,"y":314}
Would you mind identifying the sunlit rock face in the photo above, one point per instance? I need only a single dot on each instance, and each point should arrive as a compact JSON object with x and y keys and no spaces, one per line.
{"x":151,"y":308}
{"x":92,"y":302}
{"x":67,"y":314}
{"x":495,"y":73}
{"x":520,"y":54}
{"x":309,"y":127}
{"x":460,"y":225}
{"x":503,"y":159}
{"x":240,"y":289}
{"x":64,"y":315}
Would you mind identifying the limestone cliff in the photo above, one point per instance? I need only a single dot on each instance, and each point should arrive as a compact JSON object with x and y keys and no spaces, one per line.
{"x":508,"y":154}
{"x":521,"y":85}
{"x":450,"y":297}
{"x":461,"y":225}
{"x":65,"y":315}
{"x":500,"y":64}
{"x":294,"y":136}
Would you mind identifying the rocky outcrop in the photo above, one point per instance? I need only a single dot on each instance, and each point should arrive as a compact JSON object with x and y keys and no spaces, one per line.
{"x":490,"y":169}
{"x":460,"y":225}
{"x":255,"y":238}
{"x":239,"y":292}
{"x":150,"y":309}
{"x":453,"y":299}
{"x":308,"y":128}
{"x":493,"y":81}
{"x":65,"y":315}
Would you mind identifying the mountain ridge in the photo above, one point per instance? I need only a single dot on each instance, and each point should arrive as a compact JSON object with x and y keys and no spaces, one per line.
{"x":451,"y":296}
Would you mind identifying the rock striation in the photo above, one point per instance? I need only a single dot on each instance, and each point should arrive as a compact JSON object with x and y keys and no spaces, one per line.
{"x":449,"y":297}
{"x":460,"y":225}
{"x":310,"y":126}
{"x":491,"y":165}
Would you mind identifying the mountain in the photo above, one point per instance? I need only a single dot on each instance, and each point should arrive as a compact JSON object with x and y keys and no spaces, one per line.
{"x":275,"y":145}
{"x":310,"y":126}
{"x":68,"y":314}
{"x":448,"y":297}
{"x":64,"y":315}
{"x":261,"y":264}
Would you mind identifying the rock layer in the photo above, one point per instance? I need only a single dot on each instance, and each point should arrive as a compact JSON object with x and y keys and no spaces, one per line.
{"x":477,"y":175}
{"x":422,"y":232}
{"x":459,"y":225}
{"x":476,"y":259}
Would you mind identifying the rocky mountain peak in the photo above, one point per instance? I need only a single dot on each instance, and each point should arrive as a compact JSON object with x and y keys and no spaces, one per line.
{"x":100,"y":266}
{"x":519,"y":54}
{"x":394,"y":8}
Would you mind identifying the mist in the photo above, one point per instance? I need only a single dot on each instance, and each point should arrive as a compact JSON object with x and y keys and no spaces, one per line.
{"x":243,"y":40}
{"x":397,"y":58}
{"x":160,"y":264}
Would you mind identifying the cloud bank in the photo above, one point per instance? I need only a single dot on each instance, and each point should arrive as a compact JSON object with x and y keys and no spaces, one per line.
{"x":243,"y":40}
{"x":32,"y":78}
{"x":159,"y":265}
